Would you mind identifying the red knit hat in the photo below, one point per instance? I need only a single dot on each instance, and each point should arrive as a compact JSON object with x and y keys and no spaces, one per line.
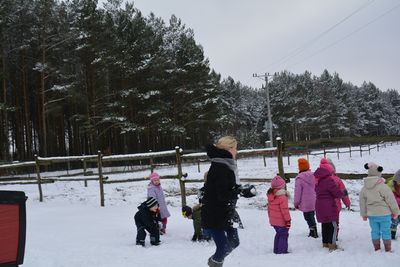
{"x":304,"y":165}
{"x":277,"y":182}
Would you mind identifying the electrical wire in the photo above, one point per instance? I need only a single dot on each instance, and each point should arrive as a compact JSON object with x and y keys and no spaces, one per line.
{"x":303,"y":47}
{"x":346,"y":36}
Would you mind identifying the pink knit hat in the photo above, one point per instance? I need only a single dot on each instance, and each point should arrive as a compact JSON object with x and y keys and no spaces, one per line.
{"x":325,"y":165}
{"x":154,"y":176}
{"x":277,"y":182}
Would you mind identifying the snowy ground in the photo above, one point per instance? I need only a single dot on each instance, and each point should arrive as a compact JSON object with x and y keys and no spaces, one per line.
{"x":71,"y":229}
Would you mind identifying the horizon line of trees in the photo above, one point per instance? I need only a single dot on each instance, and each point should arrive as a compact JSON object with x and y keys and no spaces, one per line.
{"x":76,"y":78}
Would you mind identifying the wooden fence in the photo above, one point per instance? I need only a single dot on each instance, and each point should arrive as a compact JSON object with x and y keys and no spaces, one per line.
{"x":100,"y":159}
{"x":180,"y":158}
{"x":339,"y":150}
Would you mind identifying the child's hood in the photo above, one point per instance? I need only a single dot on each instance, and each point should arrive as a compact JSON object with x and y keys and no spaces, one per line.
{"x":307,"y":177}
{"x":273,"y":194}
{"x":371,"y":181}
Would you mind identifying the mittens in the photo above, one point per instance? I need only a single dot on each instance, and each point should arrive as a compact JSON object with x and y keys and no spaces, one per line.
{"x":345,"y":192}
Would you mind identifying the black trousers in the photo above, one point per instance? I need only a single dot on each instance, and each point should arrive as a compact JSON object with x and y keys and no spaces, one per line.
{"x":141,"y":232}
{"x":329,"y":232}
{"x":310,"y":218}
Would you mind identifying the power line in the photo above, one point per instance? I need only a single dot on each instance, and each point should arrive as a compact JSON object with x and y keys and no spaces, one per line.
{"x":347,"y":36}
{"x":300,"y":49}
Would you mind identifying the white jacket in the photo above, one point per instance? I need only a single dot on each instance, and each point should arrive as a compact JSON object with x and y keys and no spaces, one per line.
{"x":376,"y":198}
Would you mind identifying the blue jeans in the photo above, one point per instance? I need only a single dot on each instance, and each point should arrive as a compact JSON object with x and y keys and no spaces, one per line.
{"x":226,"y":240}
{"x":380,"y":227}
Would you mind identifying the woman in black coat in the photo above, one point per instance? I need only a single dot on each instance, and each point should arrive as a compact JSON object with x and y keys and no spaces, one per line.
{"x":220,"y":195}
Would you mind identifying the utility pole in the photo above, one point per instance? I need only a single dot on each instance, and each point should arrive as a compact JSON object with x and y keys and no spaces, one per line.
{"x":265,"y":76}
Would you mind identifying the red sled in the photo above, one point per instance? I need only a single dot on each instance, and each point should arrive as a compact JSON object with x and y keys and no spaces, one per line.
{"x":12,"y":228}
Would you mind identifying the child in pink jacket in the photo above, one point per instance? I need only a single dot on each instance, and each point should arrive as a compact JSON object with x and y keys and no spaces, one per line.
{"x":278,"y":214}
{"x":328,"y":164}
{"x":304,"y":195}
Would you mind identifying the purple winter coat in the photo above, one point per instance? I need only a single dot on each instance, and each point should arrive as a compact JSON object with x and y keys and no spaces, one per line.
{"x":157,"y":192}
{"x":327,"y":191}
{"x":304,"y":191}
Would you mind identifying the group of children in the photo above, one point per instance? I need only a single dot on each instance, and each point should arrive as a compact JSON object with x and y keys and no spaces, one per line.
{"x":321,"y":192}
{"x":152,"y":215}
{"x":318,"y":193}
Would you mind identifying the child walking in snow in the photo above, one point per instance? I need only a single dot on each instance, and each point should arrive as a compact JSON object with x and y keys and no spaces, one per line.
{"x":146,"y":219}
{"x":378,"y":205}
{"x":304,"y":195}
{"x":328,"y":164}
{"x":155,"y":190}
{"x":325,"y":206}
{"x":278,"y":214}
{"x":394,"y":185}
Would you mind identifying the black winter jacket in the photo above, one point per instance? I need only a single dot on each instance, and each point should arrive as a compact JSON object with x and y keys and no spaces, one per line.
{"x":147,"y":219}
{"x":220,"y":192}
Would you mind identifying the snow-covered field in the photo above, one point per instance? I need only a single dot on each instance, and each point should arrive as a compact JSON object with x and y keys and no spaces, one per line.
{"x":71,"y":229}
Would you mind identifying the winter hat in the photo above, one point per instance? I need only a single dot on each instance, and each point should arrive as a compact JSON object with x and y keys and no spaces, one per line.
{"x":186,"y":211}
{"x":304,"y":165}
{"x":373,"y":169}
{"x":396,"y":176}
{"x":325,"y":165}
{"x":277,"y":182}
{"x":151,"y":202}
{"x":331,"y":163}
{"x":154,"y":176}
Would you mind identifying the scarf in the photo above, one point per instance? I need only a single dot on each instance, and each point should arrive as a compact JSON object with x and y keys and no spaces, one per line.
{"x":231,"y":163}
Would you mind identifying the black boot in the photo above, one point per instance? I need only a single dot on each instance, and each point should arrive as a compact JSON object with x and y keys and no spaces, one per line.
{"x":213,"y":263}
{"x":393,"y":232}
{"x":313,"y":232}
{"x":140,"y":243}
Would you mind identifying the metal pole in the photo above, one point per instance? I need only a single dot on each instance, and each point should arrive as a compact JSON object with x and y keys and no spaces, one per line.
{"x":269,"y":111}
{"x":268,"y":106}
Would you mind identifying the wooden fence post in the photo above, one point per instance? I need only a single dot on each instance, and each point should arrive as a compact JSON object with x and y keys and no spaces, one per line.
{"x":198,"y":165}
{"x":84,"y":171}
{"x":265,"y":162}
{"x":350,"y":150}
{"x":280,"y":158}
{"x":324,"y":152}
{"x":369,"y":150}
{"x":101,"y":182}
{"x":151,"y":163}
{"x":377,"y":147}
{"x":338,"y":153}
{"x":308,"y":153}
{"x":84,"y":167}
{"x":288,"y":159}
{"x":39,"y":179}
{"x":360,"y":151}
{"x":181,"y":182}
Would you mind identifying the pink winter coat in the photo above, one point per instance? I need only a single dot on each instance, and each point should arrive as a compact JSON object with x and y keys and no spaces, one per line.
{"x":345,"y":199}
{"x":304,"y":191}
{"x":327,"y":191}
{"x":278,"y":210}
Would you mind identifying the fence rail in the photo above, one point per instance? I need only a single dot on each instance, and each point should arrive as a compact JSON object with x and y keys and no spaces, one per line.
{"x":179,"y":159}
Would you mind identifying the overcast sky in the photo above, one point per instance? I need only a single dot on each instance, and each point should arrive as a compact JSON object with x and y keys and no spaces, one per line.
{"x":359,"y":39}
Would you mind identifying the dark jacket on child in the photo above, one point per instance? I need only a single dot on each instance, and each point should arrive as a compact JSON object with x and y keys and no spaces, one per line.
{"x":147,"y":220}
{"x":220,"y":192}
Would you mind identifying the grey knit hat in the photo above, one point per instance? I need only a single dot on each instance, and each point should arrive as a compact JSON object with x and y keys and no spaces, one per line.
{"x":330,"y":162}
{"x":151,"y":202}
{"x":396,"y":176}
